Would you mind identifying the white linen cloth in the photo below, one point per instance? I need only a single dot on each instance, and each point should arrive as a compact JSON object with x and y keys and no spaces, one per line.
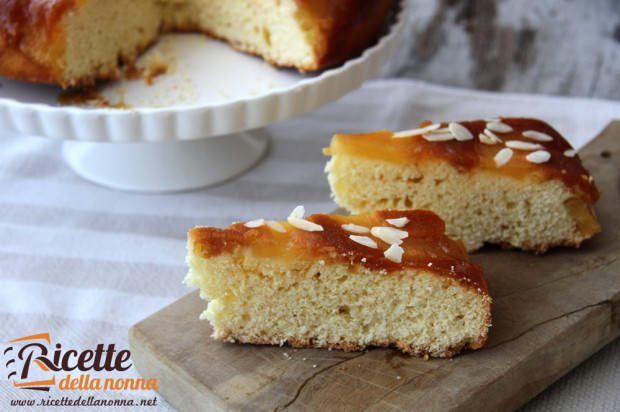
{"x":85,"y":262}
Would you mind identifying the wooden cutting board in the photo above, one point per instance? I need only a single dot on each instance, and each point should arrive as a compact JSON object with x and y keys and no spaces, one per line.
{"x":550,"y":312}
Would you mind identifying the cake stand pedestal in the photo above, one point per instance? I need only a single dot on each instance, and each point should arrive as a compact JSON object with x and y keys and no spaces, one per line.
{"x":166,"y":166}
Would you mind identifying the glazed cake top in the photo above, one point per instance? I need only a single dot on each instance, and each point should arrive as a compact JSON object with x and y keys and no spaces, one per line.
{"x":387,"y":241}
{"x":17,"y":16}
{"x":518,"y":147}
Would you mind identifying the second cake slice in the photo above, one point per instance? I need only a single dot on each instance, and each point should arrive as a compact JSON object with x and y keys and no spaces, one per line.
{"x":511,"y":181}
{"x":388,"y":278}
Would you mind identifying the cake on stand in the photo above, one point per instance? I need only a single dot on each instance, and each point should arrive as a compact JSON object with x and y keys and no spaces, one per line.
{"x":196,"y":125}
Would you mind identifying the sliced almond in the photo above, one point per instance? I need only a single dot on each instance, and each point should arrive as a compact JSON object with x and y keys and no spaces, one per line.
{"x":304,"y":224}
{"x":570,"y":153}
{"x":438,"y":137}
{"x":492,"y":135}
{"x":416,"y":132}
{"x":398,"y":222}
{"x":486,"y":139}
{"x":521,"y":145}
{"x":539,"y":156}
{"x":364,"y":240}
{"x":539,"y":136}
{"x":389,"y":234}
{"x":394,"y":253}
{"x":503,"y":156}
{"x":277,"y":226}
{"x":350,"y":227}
{"x":499,"y":127}
{"x":298,"y":212}
{"x":255,"y":223}
{"x":460,"y":132}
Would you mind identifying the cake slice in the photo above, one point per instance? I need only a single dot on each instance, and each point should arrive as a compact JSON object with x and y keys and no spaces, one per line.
{"x":390,"y":278}
{"x":514,"y":182}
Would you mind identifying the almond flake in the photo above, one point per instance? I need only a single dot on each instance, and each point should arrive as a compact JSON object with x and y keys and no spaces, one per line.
{"x":499,"y":127}
{"x":364,"y":240}
{"x":438,"y":137}
{"x":588,"y":178}
{"x":540,"y":136}
{"x":398,"y":222}
{"x":298,"y":212}
{"x":416,"y":132}
{"x":521,"y":145}
{"x":255,"y":223}
{"x":304,"y":224}
{"x":503,"y":156}
{"x":394,"y":253}
{"x":570,"y":153}
{"x":492,"y":135}
{"x":277,"y":226}
{"x":350,"y":227}
{"x":389,"y":234}
{"x":540,"y":156}
{"x":460,"y":132}
{"x":486,"y":139}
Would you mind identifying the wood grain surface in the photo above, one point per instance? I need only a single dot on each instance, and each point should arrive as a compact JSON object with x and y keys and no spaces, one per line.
{"x":550,"y":312}
{"x":542,"y":46}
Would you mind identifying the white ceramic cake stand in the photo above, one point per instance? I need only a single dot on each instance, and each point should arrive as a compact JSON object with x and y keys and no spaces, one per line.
{"x":195,"y":125}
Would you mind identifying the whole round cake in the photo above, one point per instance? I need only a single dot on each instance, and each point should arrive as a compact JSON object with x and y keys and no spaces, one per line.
{"x":77,"y":42}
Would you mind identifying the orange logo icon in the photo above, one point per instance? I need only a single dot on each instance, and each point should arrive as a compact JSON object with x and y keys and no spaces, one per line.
{"x":22,"y":362}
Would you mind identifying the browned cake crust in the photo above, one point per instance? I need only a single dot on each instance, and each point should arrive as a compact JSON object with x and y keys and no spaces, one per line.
{"x":33,"y":39}
{"x":345,"y":27}
{"x":474,"y":155}
{"x":356,"y":347}
{"x":435,"y":252}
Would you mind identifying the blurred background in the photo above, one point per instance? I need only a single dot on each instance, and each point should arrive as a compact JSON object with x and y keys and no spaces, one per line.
{"x":559,"y":47}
